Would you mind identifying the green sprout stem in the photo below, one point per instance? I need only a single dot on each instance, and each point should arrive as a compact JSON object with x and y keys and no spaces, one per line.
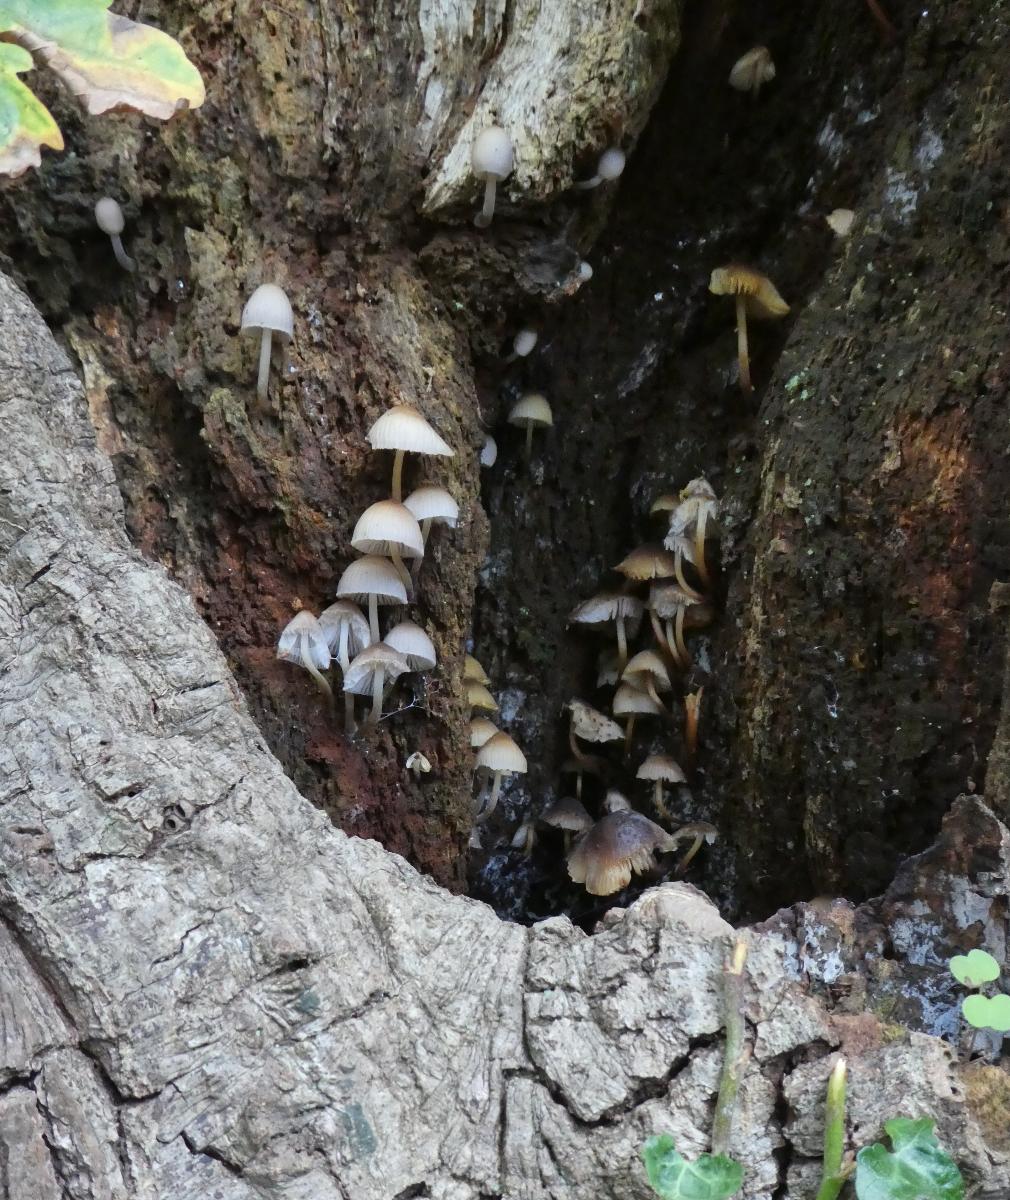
{"x":835,"y":1174}
{"x":736,"y":1053}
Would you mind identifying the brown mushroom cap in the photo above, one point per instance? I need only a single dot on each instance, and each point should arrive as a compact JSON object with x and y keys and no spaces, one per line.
{"x":668,"y":599}
{"x":567,"y":813}
{"x":591,"y":725}
{"x":648,"y":562}
{"x":665,"y":503}
{"x":661,"y":767}
{"x":621,"y":842}
{"x":763,"y":301}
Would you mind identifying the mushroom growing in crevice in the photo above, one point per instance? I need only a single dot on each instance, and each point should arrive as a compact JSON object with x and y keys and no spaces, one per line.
{"x":489,"y":452}
{"x":480,"y":730}
{"x":668,"y":602}
{"x":375,"y":580}
{"x":347,"y":633}
{"x":609,"y":167}
{"x":696,"y":517}
{"x":491,"y":158}
{"x":659,"y":769}
{"x":268,"y":313}
{"x":525,"y":837}
{"x":389,"y":530}
{"x":698,"y":832}
{"x":523,"y":344}
{"x":592,"y":726}
{"x":303,"y":642}
{"x":631,"y":703}
{"x":110,"y":220}
{"x":479,"y":698}
{"x":647,"y":562}
{"x":647,"y":672}
{"x":568,"y":815}
{"x":369,"y":673}
{"x":752,"y":70}
{"x":501,"y":756}
{"x":473,"y":672}
{"x":403,"y":430}
{"x":413,"y":643}
{"x":755,"y":296}
{"x":531,"y":412}
{"x":624,"y":610}
{"x":431,"y":506}
{"x":619,"y":843}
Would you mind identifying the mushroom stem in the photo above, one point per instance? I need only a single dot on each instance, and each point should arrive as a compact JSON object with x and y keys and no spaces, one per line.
{"x":657,"y":632}
{"x":124,"y":260}
{"x":650,"y":691}
{"x":629,"y":729}
{"x":492,"y":803}
{"x":398,"y":476}
{"x":699,"y":547}
{"x":529,"y":439}
{"x":415,"y":569}
{"x":313,"y":670}
{"x":345,"y":661}
{"x":671,"y":645}
{"x":576,"y":751}
{"x":692,"y":708}
{"x":658,"y":800}
{"x":584,"y":185}
{"x":741,"y":344}
{"x":685,"y":861}
{"x":483,"y":219}
{"x":568,"y":841}
{"x":678,"y":570}
{"x":678,"y":633}
{"x":378,"y":679}
{"x":578,"y":785}
{"x":266,"y":345}
{"x":405,"y":575}
{"x":622,"y":643}
{"x":373,"y":617}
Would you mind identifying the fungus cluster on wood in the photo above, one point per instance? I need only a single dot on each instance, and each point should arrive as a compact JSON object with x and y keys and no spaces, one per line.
{"x":496,"y":754}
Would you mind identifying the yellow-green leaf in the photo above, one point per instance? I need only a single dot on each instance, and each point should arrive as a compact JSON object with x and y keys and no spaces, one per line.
{"x":25,"y":124}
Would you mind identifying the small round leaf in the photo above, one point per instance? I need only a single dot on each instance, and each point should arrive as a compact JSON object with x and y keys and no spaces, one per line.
{"x":974,"y":968}
{"x":985,"y":1013}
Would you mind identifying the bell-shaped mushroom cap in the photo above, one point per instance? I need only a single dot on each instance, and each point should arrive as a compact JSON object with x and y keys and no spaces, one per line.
{"x":752,"y":69}
{"x":648,"y":662}
{"x":532,"y":409}
{"x":478,"y":697}
{"x":611,"y":163}
{"x":303,"y":635}
{"x":334,"y":618}
{"x":414,"y":644}
{"x":480,"y":730}
{"x":630,"y":701}
{"x":648,"y":562}
{"x":388,"y":527}
{"x":359,"y":675}
{"x":567,"y":813}
{"x":618,"y":844}
{"x":473,"y":672}
{"x":763,"y":299}
{"x":500,"y":753}
{"x":491,"y":153}
{"x":524,"y":341}
{"x":662,"y":767}
{"x":269,"y":308}
{"x":431,"y":503}
{"x":403,"y":428}
{"x":489,"y":452}
{"x":372,"y":576}
{"x":667,"y":502}
{"x":109,"y":217}
{"x":700,"y":829}
{"x":591,"y":725}
{"x":615,"y":801}
{"x":607,"y":606}
{"x":667,"y":599}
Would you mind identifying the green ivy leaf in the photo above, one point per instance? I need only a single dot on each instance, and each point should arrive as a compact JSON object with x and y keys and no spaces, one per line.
{"x":984,"y":1012}
{"x":974,"y":968}
{"x":107,"y":61}
{"x":710,"y":1177}
{"x":917,"y":1169}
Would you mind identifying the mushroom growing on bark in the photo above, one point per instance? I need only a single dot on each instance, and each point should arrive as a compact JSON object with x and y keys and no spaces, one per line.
{"x":478,"y":697}
{"x":752,"y":70}
{"x":268,"y":312}
{"x":568,"y":815}
{"x":489,"y":452}
{"x":501,"y":756}
{"x":609,"y":167}
{"x":698,"y":831}
{"x":303,"y":641}
{"x":647,"y":672}
{"x":491,"y":158}
{"x":624,"y":610}
{"x":413,"y":643}
{"x":369,"y":673}
{"x":631,"y":703}
{"x":347,"y":634}
{"x":531,"y":412}
{"x":621,"y":842}
{"x":523,"y":343}
{"x":525,"y":837}
{"x":592,"y":726}
{"x":660,"y":769}
{"x":473,"y":672}
{"x":695,"y":516}
{"x":373,"y":579}
{"x":648,"y":562}
{"x":755,"y":296}
{"x":431,"y":506}
{"x":480,"y":730}
{"x":403,"y":430}
{"x":670,"y":603}
{"x":389,"y":530}
{"x":110,"y":220}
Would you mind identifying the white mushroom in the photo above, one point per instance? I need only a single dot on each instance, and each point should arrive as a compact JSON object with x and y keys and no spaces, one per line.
{"x":489,"y":452}
{"x":414,"y":644}
{"x":502,"y":756}
{"x":491,"y":157}
{"x":523,"y":343}
{"x":373,"y":579}
{"x":405,"y":431}
{"x":111,"y":221}
{"x":303,"y":642}
{"x":347,"y":633}
{"x":369,"y":672}
{"x":268,"y":312}
{"x":389,"y":529}
{"x":531,"y":412}
{"x":751,"y":70}
{"x":610,"y":166}
{"x":431,"y":506}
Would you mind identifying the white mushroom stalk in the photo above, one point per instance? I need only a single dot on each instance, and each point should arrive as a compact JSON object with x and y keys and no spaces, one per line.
{"x":267,"y":312}
{"x":531,"y":412}
{"x":610,"y":167}
{"x":371,"y":670}
{"x":347,"y":633}
{"x":111,"y":221}
{"x":303,"y":642}
{"x":491,"y":158}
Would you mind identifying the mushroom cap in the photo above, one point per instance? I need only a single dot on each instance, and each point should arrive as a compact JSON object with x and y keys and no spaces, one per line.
{"x":430,"y":503}
{"x":607,"y":606}
{"x":591,"y":725}
{"x":269,"y":308}
{"x":619,"y":843}
{"x":648,"y":662}
{"x":567,"y":813}
{"x":388,"y":527}
{"x":491,"y":153}
{"x":840,"y":221}
{"x":628,"y":701}
{"x":500,"y":754}
{"x":403,"y":428}
{"x":532,"y":409}
{"x":667,"y":502}
{"x":473,"y":672}
{"x":418,"y":763}
{"x":480,"y":730}
{"x":339,"y":614}
{"x":611,"y":163}
{"x":678,"y":541}
{"x":372,"y":576}
{"x":524,"y":341}
{"x":414,"y":644}
{"x":667,"y":599}
{"x":648,"y":562}
{"x":663,"y":767}
{"x":763,"y":301}
{"x":615,"y":801}
{"x":303,"y":635}
{"x":489,"y":452}
{"x":585,"y":271}
{"x":752,"y":69}
{"x":700,"y":829}
{"x":359,"y":675}
{"x":477,"y":696}
{"x":109,"y":216}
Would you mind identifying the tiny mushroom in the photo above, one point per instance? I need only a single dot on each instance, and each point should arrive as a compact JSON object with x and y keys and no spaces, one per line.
{"x":501,"y":756}
{"x":389,"y":530}
{"x":480,"y":730}
{"x":414,"y":644}
{"x":369,"y":672}
{"x":621,"y":842}
{"x":751,"y":70}
{"x":303,"y":641}
{"x":695,"y":515}
{"x":531,"y":412}
{"x":660,"y":769}
{"x":525,"y":837}
{"x":840,"y":221}
{"x":630,"y":702}
{"x":268,"y":312}
{"x":568,"y":815}
{"x":418,"y":764}
{"x":491,"y":158}
{"x":403,"y":429}
{"x":431,"y":506}
{"x":608,"y":669}
{"x":647,"y":562}
{"x":664,"y":504}
{"x":670,"y":603}
{"x":609,"y":167}
{"x":110,"y":220}
{"x":473,"y":672}
{"x":373,"y":579}
{"x":489,"y":452}
{"x":615,"y":801}
{"x":647,"y":672}
{"x":523,"y":343}
{"x":479,"y":698}
{"x":756,"y":296}
{"x":622,"y":609}
{"x":699,"y":831}
{"x":347,"y":634}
